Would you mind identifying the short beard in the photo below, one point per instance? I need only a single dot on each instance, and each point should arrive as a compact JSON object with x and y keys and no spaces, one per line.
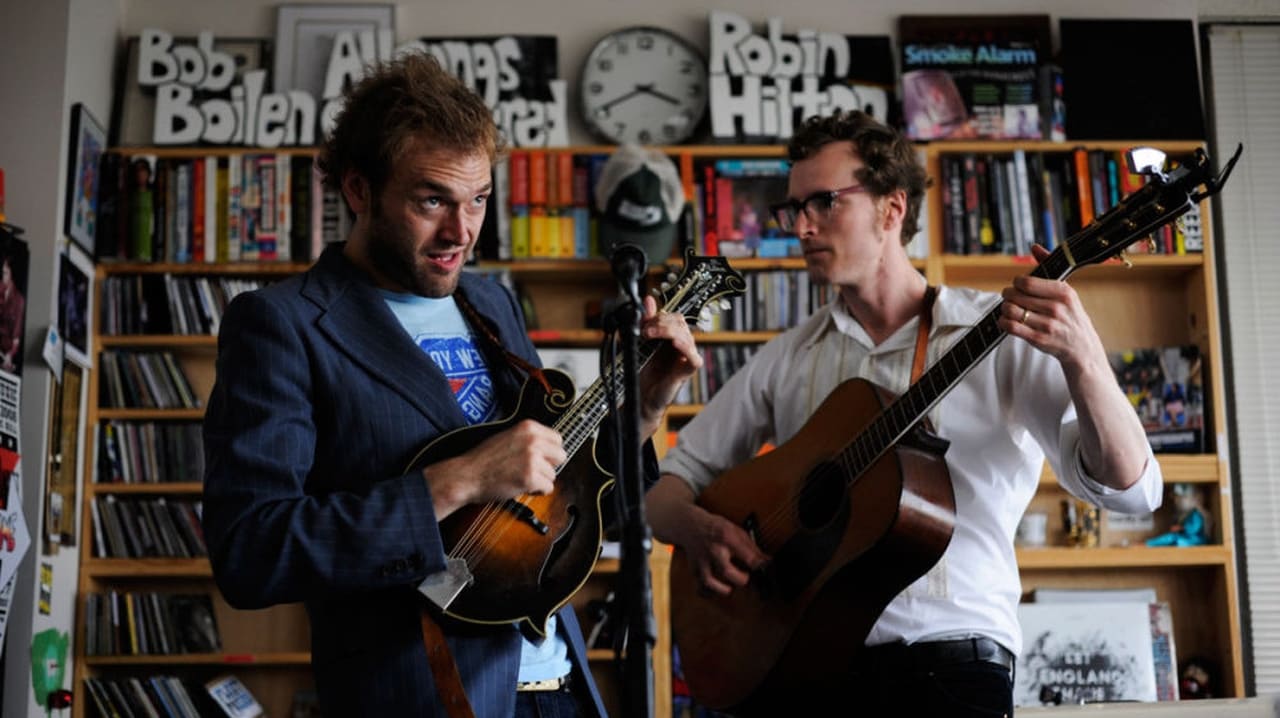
{"x":394,"y":257}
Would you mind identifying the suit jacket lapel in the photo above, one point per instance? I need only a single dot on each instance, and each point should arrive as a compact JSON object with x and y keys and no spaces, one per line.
{"x":358,"y":322}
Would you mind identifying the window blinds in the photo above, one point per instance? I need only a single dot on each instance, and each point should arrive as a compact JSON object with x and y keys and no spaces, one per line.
{"x":1244,"y":64}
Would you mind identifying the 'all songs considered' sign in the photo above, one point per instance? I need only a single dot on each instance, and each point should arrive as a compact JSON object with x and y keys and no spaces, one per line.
{"x":200,"y":98}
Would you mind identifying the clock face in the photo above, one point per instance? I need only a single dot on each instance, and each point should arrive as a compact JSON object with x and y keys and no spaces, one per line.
{"x":644,"y":85}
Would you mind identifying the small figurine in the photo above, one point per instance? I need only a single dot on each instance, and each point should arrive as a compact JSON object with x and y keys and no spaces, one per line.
{"x":1197,"y":680}
{"x":1192,"y":527}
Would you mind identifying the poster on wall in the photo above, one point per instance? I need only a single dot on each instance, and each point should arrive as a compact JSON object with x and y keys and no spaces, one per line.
{"x":14,"y":262}
{"x":517,"y":77}
{"x":973,"y":76}
{"x":765,"y":83}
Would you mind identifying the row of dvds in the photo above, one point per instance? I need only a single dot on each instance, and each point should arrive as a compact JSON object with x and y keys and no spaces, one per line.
{"x":168,"y":304}
{"x":150,"y":624}
{"x":134,"y":452}
{"x":151,"y":527}
{"x":144,"y":380}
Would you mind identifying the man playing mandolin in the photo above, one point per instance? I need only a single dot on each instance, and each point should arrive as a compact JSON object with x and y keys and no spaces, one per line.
{"x":329,"y":383}
{"x":944,"y":641}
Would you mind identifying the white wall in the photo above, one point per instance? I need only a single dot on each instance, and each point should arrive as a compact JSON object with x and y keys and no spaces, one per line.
{"x":53,"y":54}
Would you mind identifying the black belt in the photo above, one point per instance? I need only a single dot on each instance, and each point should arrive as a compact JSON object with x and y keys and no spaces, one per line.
{"x":928,"y":655}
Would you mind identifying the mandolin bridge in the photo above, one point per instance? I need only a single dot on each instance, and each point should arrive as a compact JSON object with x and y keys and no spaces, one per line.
{"x":525,"y":514}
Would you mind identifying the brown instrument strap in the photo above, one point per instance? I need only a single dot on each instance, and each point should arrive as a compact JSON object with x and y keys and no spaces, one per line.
{"x":453,"y":696}
{"x":922,"y":335}
{"x":448,"y":682}
{"x":486,"y":330}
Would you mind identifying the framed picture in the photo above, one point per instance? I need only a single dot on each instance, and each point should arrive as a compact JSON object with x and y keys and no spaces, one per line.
{"x":88,"y":140}
{"x":133,"y":107}
{"x":304,"y":40}
{"x":73,"y":307}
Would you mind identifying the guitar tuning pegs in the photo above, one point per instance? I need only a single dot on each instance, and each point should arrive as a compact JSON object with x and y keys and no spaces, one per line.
{"x":1124,"y":257}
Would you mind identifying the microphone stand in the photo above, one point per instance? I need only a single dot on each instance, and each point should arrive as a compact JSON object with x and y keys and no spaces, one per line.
{"x":636,"y":590}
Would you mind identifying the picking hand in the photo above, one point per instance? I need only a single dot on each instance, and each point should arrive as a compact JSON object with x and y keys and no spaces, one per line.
{"x":520,"y":460}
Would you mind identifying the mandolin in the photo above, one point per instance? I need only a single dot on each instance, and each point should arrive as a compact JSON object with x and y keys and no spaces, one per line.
{"x":520,"y":560}
{"x":859,"y":503}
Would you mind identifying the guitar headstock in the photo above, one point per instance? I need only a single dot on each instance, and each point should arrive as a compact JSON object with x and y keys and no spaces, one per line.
{"x":1164,"y":198}
{"x":703,"y":285}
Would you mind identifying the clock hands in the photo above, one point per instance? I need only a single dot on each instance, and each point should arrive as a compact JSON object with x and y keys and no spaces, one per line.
{"x":640,"y":89}
{"x":660,"y":95}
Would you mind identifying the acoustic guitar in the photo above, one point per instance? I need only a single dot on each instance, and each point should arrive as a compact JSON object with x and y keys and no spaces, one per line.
{"x":520,"y":560}
{"x":859,"y":503}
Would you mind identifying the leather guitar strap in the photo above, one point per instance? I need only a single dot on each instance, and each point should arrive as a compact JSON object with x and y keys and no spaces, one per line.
{"x":449,"y":688}
{"x":448,"y":682}
{"x":922,"y":335}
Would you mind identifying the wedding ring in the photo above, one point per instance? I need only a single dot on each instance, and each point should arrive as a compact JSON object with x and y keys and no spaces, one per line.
{"x":1025,"y":313}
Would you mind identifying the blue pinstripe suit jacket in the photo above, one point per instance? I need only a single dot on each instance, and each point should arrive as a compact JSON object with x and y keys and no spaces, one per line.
{"x":320,"y":403}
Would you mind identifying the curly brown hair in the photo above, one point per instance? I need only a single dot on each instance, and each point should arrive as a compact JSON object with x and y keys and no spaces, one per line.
{"x":888,"y":159}
{"x":395,"y":102}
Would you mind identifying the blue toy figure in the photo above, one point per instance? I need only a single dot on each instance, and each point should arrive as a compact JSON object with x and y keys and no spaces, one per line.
{"x":1192,"y":527}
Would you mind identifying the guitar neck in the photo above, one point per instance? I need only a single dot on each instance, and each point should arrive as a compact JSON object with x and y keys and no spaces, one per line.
{"x":904,"y":413}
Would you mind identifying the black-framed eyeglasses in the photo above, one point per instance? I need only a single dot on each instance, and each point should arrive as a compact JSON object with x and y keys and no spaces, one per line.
{"x":816,"y":206}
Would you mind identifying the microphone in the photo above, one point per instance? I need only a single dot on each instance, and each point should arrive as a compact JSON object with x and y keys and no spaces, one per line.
{"x":629,"y":264}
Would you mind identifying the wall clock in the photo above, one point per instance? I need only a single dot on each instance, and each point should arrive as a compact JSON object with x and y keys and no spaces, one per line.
{"x":643,"y":85}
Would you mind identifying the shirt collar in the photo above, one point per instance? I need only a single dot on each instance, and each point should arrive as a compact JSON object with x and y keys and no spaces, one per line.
{"x":954,"y":307}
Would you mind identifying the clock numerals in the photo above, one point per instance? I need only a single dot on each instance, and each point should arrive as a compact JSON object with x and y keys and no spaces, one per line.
{"x":645,"y":85}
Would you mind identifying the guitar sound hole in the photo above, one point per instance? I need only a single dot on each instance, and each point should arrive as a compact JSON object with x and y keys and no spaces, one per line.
{"x":822,"y":497}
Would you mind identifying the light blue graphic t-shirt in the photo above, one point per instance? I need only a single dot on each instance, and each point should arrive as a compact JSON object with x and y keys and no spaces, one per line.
{"x":439,"y":330}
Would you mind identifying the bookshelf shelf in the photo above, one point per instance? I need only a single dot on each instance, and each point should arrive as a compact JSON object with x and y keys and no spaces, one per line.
{"x":165,"y":487}
{"x":1177,"y":468}
{"x":286,"y":659}
{"x":960,"y":268}
{"x":282,"y":269}
{"x":147,"y":568}
{"x":145,"y":414}
{"x":1122,"y":558}
{"x":160,"y":340}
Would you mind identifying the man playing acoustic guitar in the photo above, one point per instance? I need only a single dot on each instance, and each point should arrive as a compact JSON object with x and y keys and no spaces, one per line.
{"x":331,"y":381}
{"x":941,"y":643}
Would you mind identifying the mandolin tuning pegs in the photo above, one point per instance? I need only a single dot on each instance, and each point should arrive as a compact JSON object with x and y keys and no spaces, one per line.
{"x":1124,"y":257}
{"x":705,"y":314}
{"x":665,"y":286}
{"x":724,"y":304}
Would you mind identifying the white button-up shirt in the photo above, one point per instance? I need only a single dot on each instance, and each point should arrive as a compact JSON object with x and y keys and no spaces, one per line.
{"x":1009,"y":414}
